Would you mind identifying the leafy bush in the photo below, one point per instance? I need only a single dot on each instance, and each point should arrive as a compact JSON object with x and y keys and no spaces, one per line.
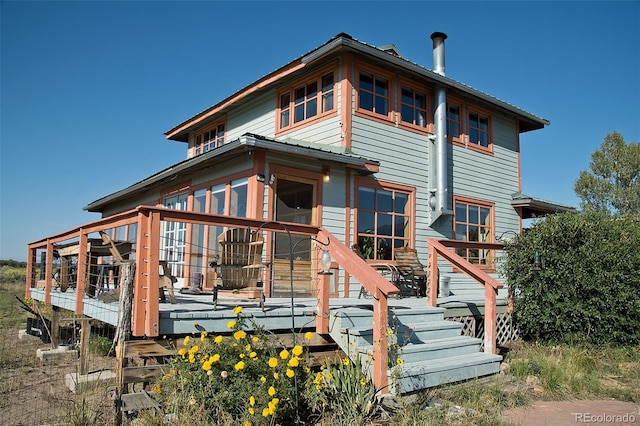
{"x":588,"y":287}
{"x":10,"y":274}
{"x":343,"y":392}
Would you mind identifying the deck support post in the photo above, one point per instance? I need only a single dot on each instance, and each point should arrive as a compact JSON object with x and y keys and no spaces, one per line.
{"x":85,"y":335}
{"x":380,"y":345}
{"x":123,"y":332}
{"x":83,"y":266}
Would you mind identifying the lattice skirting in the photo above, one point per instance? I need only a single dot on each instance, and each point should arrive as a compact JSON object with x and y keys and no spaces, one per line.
{"x":473,"y":326}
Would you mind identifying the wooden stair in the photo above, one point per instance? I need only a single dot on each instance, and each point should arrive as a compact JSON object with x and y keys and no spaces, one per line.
{"x":433,"y":350}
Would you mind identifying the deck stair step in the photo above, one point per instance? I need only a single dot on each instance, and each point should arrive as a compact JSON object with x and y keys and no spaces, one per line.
{"x":433,"y":350}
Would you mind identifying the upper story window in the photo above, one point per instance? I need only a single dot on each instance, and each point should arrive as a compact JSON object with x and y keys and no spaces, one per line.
{"x":478,"y":129}
{"x":414,"y":107}
{"x":469,"y":127}
{"x":306,"y":101}
{"x":374,"y":93}
{"x":209,"y":139}
{"x":473,"y":221}
{"x":384,"y":220}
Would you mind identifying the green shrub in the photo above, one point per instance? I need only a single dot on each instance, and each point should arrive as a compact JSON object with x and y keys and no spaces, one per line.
{"x":11,"y":274}
{"x":245,"y":378}
{"x":588,"y":287}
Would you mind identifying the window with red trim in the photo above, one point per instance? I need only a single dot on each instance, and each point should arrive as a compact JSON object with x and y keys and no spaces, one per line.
{"x":384,"y":220}
{"x":413,"y":109}
{"x":478,"y":129}
{"x":209,"y":139}
{"x":473,"y":221}
{"x":373,"y":93}
{"x":306,"y":101}
{"x":468,"y":126}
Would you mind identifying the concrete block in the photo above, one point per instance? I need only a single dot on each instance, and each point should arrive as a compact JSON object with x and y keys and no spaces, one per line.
{"x":47,"y":354}
{"x":76,"y":382}
{"x":23,"y":335}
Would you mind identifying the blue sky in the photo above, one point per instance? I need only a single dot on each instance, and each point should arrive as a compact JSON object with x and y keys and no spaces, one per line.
{"x":89,"y":88}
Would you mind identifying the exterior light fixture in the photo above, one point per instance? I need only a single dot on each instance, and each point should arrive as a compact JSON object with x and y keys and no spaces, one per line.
{"x":537,"y":262}
{"x":326,"y":173}
{"x":325,"y":263}
{"x":272,"y":179}
{"x":260,"y":178}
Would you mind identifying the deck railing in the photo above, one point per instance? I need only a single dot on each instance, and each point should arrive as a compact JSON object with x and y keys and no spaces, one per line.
{"x":491,"y":285}
{"x":147,"y":221}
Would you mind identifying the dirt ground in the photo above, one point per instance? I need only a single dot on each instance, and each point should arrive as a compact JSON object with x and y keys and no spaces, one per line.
{"x":33,"y":391}
{"x":565,"y":413}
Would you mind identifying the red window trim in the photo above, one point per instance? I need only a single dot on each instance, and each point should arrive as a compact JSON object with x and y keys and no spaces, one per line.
{"x":492,"y":216}
{"x":462,"y":140}
{"x":202,"y":131}
{"x":428,"y":129}
{"x":388,"y":186}
{"x":315,"y":76}
{"x":392,"y":89}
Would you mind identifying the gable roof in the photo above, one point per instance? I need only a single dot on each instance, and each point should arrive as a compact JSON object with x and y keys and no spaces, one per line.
{"x":343,"y":41}
{"x":245,"y":143}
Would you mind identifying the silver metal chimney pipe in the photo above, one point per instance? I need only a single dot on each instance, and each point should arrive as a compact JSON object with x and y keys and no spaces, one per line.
{"x":440,"y":122}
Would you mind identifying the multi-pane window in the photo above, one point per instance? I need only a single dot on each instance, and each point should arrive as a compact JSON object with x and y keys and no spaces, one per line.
{"x":373,"y":93}
{"x":473,"y":222}
{"x":209,"y":139}
{"x":413,"y":107}
{"x":174,"y":236}
{"x":454,"y":126}
{"x":307,"y":101}
{"x":384,"y":221}
{"x":478,"y":129}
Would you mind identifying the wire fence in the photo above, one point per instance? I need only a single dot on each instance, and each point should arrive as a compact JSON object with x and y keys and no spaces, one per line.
{"x":42,"y":366}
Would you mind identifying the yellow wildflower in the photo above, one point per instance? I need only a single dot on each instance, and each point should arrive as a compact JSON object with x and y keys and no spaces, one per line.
{"x":192,"y":358}
{"x":203,"y":335}
{"x":273,"y":362}
{"x":240,"y":334}
{"x":248,"y":347}
{"x":263,"y":379}
{"x":247,"y":422}
{"x":253,"y":355}
{"x":155,"y":388}
{"x":215,"y":358}
{"x":186,"y":341}
{"x":182,"y":351}
{"x":241,"y":356}
{"x":231,"y":324}
{"x":297,"y":350}
{"x":400,"y":361}
{"x":252,"y":411}
{"x":284,"y":354}
{"x":206,"y":366}
{"x":308,"y":335}
{"x":194,"y":349}
{"x":275,"y":401}
{"x":345,"y":361}
{"x":272,"y":391}
{"x":276,"y":376}
{"x":218,"y":339}
{"x":255,"y":339}
{"x":389,"y":332}
{"x":290,"y":373}
{"x":239,"y":365}
{"x":237,"y":310}
{"x":252,"y":401}
{"x":265,"y":412}
{"x":363,"y":382}
{"x":293,"y":362}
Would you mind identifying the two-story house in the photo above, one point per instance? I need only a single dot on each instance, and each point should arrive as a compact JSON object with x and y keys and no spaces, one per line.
{"x":349,"y":143}
{"x":379,"y":150}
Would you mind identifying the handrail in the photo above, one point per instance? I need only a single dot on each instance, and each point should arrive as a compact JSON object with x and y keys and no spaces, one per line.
{"x":491,"y":285}
{"x":146,"y":309}
{"x":380,"y":288}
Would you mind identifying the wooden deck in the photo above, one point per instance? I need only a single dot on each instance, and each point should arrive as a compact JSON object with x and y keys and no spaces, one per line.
{"x":190,"y":309}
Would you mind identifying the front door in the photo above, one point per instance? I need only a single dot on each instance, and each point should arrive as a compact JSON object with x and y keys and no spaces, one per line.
{"x":294,"y":202}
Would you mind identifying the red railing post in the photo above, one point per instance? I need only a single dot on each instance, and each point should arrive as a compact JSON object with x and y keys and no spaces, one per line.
{"x":432,"y":262}
{"x":490,"y":326}
{"x":322,"y":320}
{"x":48,"y":273}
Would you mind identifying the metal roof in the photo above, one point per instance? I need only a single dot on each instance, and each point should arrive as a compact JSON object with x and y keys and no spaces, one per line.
{"x":529,"y":121}
{"x":245,"y":143}
{"x":532,"y":207}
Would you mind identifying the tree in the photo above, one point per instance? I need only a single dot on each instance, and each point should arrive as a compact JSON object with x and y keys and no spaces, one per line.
{"x":612,"y":184}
